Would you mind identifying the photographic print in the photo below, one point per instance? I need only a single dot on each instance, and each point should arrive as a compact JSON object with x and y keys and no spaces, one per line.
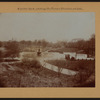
{"x":47,"y":49}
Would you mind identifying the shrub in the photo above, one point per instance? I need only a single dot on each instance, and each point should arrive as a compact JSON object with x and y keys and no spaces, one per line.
{"x":72,"y":58}
{"x":13,"y":49}
{"x":67,"y":57}
{"x":34,"y":63}
{"x":11,"y":60}
{"x":2,"y":83}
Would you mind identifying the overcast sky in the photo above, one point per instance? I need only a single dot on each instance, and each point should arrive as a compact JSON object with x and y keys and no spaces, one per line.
{"x":49,"y":26}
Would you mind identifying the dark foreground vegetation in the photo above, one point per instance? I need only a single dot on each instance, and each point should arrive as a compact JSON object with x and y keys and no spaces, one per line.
{"x":76,"y":65}
{"x":85,"y":68}
{"x":32,"y":74}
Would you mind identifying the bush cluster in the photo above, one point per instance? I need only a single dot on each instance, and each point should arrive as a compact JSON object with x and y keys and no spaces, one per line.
{"x":34,"y":63}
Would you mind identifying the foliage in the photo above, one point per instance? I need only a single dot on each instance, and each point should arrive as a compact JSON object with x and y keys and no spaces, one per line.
{"x":1,"y":55}
{"x":12,"y":48}
{"x":85,"y":69}
{"x":0,"y":44}
{"x":34,"y":63}
{"x":73,"y":59}
{"x":67,"y":57}
{"x":61,"y":46}
{"x":76,"y":65}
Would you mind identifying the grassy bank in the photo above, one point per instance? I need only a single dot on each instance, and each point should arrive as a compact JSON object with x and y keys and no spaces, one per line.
{"x":85,"y":68}
{"x":32,"y":74}
{"x":76,"y":65}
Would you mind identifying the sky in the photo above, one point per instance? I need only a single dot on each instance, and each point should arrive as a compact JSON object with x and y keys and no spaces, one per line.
{"x":52,"y":27}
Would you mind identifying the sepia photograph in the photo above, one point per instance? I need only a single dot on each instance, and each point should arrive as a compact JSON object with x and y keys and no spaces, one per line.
{"x":47,"y":49}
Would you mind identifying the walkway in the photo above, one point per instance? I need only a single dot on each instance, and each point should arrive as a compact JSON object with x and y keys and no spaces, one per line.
{"x":57,"y":69}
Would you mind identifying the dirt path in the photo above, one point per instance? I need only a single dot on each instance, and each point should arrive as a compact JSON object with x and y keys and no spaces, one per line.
{"x":47,"y":56}
{"x":5,"y":66}
{"x":57,"y":69}
{"x":51,"y":56}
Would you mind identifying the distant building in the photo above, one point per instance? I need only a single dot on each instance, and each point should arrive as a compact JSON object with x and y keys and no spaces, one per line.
{"x":81,"y":55}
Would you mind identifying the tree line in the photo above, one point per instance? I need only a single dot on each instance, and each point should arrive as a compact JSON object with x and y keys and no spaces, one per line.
{"x":13,"y":47}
